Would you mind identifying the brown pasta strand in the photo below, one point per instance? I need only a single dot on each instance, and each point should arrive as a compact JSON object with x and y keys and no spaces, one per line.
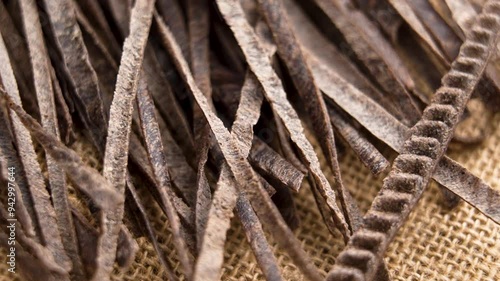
{"x":116,"y":152}
{"x":421,"y":152}
{"x":240,"y":168}
{"x":24,"y":205}
{"x":274,"y":93}
{"x":212,"y":112}
{"x":373,"y":49}
{"x":391,"y":131}
{"x":45,"y":96}
{"x":82,"y":76}
{"x":367,"y":153}
{"x":158,"y":162}
{"x":45,"y":214}
{"x":198,"y":27}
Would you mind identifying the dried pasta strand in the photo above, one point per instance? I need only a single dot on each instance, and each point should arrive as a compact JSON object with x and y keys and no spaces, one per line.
{"x":116,"y":152}
{"x":81,"y":74}
{"x":274,"y":93}
{"x":247,"y":181}
{"x":45,"y":95}
{"x":392,"y":132}
{"x":45,"y":214}
{"x":158,"y":161}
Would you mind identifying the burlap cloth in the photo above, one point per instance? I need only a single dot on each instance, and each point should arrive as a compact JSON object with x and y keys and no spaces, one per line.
{"x":434,"y":244}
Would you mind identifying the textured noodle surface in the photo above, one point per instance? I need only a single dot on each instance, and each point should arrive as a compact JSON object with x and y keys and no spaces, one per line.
{"x":435,"y":244}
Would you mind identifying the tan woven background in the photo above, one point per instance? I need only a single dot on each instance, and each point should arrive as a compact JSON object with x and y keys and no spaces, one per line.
{"x":435,"y":244}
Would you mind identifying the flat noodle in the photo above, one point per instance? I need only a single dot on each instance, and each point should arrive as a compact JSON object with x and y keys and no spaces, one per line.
{"x":45,"y":96}
{"x":99,"y":23}
{"x":65,"y":120}
{"x":271,"y":164}
{"x":322,"y":207}
{"x":168,"y":105}
{"x":444,"y":12}
{"x":116,"y":152}
{"x":248,"y":112}
{"x":100,"y":43}
{"x":286,"y":146}
{"x":422,"y":150}
{"x":405,"y":10}
{"x":350,"y":207}
{"x":25,"y":212}
{"x":87,"y":241}
{"x":60,"y":73}
{"x":255,"y":236}
{"x":203,"y":191}
{"x":158,"y":161}
{"x":276,"y":96}
{"x":247,"y":182}
{"x":388,"y":19}
{"x":103,"y":56}
{"x":24,"y":243}
{"x":160,"y":88}
{"x":105,"y":67}
{"x":366,"y":151}
{"x":211,"y":246}
{"x":199,"y":27}
{"x":152,"y":70}
{"x":108,"y":68}
{"x":150,"y":230}
{"x":120,"y":11}
{"x":376,"y":53}
{"x":392,"y":132}
{"x":18,"y":53}
{"x":313,"y":41}
{"x":233,"y":55}
{"x":425,"y":67}
{"x":172,"y":14}
{"x":140,"y":157}
{"x":247,"y":115}
{"x":198,"y":79}
{"x":442,"y":33}
{"x":81,"y":74}
{"x":158,"y":84}
{"x":182,"y":175}
{"x":45,"y":214}
{"x":263,"y":32}
{"x":88,"y":180}
{"x":290,"y":51}
{"x":226,"y":198}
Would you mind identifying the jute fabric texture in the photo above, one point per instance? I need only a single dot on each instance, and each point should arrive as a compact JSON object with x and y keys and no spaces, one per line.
{"x":435,"y":243}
